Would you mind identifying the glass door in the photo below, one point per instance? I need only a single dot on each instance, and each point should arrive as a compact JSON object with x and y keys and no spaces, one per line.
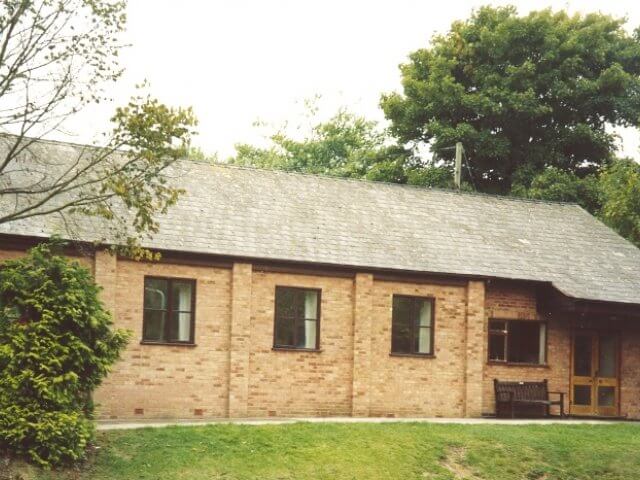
{"x":595,"y":372}
{"x":606,"y":380}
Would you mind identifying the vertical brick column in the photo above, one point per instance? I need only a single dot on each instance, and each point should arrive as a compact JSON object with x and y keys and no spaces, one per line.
{"x":362,"y":327}
{"x":105,"y":267}
{"x":475,"y":336}
{"x":239,"y":339}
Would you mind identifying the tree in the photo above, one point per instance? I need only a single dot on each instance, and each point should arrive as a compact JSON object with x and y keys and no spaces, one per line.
{"x":56,"y":57}
{"x":57,"y":343}
{"x":560,"y":186}
{"x":620,"y":191}
{"x":346,"y":145}
{"x":522,"y":93}
{"x":612,"y":194}
{"x":199,"y":155}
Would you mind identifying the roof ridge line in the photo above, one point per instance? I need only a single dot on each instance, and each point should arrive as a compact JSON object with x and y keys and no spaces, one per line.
{"x":325,"y":176}
{"x":47,"y":140}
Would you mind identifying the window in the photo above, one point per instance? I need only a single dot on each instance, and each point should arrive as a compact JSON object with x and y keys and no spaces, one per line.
{"x":412,"y":325}
{"x":169,"y":305}
{"x":512,"y":341}
{"x":297,"y":322}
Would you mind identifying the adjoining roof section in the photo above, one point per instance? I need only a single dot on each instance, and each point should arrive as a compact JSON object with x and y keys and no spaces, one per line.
{"x":284,"y":216}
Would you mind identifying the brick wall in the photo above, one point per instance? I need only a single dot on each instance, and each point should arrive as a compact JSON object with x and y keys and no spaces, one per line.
{"x":156,"y":381}
{"x":418,"y":386}
{"x":630,"y":369}
{"x":297,"y":383}
{"x":234,"y":371}
{"x":509,"y":301}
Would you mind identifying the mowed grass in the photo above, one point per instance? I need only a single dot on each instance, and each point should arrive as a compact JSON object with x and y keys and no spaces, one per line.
{"x":364,"y":451}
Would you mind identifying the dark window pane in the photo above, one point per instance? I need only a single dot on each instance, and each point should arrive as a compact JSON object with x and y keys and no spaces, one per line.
{"x":160,"y":324}
{"x":524,"y":342}
{"x":606,"y":396}
{"x":607,"y":356}
{"x":154,"y":321}
{"x":180,"y":327}
{"x":296,"y":322}
{"x":181,"y":296}
{"x":497,"y":325}
{"x":496,"y":347}
{"x":156,"y":293}
{"x":582,"y":395}
{"x":582,"y":356}
{"x":285,"y":331}
{"x":289,"y":302}
{"x":401,"y":324}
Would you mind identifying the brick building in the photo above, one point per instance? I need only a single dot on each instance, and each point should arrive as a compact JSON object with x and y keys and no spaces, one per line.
{"x":283,"y":294}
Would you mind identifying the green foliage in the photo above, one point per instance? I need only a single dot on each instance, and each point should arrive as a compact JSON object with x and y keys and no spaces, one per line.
{"x":521,"y":92}
{"x":346,"y":146}
{"x":612,"y":194}
{"x":155,"y":136}
{"x":557,"y":185}
{"x":199,"y":155}
{"x":620,"y":189}
{"x":56,"y":346}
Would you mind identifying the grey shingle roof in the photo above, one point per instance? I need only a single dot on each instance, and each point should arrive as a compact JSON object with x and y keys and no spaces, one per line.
{"x":285,"y":216}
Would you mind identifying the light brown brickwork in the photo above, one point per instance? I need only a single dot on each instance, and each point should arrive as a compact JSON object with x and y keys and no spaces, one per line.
{"x":161,"y":381}
{"x":630,"y":370}
{"x":240,"y":339}
{"x":418,"y":386}
{"x":362,"y":345}
{"x":509,"y":301}
{"x":475,"y":353}
{"x":298,"y":383}
{"x":234,"y":371}
{"x":104,"y":272}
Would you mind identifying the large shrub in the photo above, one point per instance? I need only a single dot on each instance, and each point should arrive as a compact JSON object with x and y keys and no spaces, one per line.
{"x":56,"y":345}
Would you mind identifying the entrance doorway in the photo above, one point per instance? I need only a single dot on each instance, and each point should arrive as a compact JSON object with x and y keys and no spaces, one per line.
{"x":595,"y":373}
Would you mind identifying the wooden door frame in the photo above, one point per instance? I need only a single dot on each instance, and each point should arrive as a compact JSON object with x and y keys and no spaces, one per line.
{"x":595,"y":333}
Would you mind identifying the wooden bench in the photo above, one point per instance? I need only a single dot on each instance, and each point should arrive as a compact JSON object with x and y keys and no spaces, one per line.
{"x":529,"y":397}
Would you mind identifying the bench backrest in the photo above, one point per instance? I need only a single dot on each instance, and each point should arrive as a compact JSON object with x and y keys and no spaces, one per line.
{"x":523,"y":390}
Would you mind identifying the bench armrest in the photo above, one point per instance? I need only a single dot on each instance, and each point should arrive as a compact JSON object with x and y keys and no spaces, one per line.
{"x":560,"y":401}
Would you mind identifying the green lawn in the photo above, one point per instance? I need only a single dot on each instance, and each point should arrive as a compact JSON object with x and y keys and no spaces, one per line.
{"x":365,"y":451}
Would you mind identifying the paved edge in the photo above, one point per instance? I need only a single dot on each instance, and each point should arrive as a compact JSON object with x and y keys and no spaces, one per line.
{"x":116,"y":425}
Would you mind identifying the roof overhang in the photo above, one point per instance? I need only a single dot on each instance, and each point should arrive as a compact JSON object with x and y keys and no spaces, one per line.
{"x":551,"y":300}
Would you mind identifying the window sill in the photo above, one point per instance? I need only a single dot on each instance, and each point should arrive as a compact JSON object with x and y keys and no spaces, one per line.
{"x":516,"y":364}
{"x":296,"y":349}
{"x":169,"y":344}
{"x":414,"y":355}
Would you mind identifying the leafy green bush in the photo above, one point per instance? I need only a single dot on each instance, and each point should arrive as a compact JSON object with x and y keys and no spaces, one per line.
{"x":56,"y":346}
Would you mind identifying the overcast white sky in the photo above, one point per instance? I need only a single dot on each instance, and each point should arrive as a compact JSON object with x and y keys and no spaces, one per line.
{"x":237,"y":61}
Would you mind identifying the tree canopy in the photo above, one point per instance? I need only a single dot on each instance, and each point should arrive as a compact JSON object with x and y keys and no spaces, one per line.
{"x":345,"y":145}
{"x":522,"y":93}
